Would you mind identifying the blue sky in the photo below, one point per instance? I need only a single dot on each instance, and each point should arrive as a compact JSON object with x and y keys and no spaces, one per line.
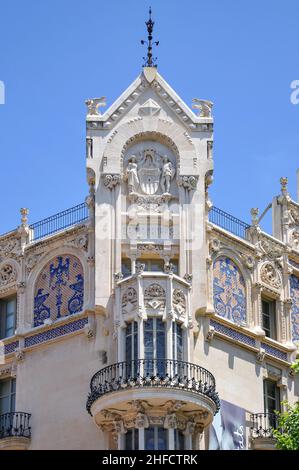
{"x":55,"y":54}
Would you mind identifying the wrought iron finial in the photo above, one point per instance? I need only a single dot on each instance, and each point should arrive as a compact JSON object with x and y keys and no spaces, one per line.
{"x":149,"y":61}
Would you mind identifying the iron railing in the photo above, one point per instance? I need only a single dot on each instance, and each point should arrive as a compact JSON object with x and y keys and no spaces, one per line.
{"x":228,"y":222}
{"x":263,"y":424}
{"x":152,"y":373}
{"x":15,"y":424}
{"x":57,"y":222}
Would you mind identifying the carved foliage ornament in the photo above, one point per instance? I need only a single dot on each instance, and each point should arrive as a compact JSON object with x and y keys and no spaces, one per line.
{"x":8,"y":274}
{"x":270,"y":276}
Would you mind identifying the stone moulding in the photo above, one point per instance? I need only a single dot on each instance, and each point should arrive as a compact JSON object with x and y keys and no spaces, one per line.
{"x":237,"y":335}
{"x":47,"y":333}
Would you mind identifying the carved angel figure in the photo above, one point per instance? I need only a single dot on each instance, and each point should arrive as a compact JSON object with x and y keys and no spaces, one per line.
{"x":168,"y":173}
{"x":132,"y":175}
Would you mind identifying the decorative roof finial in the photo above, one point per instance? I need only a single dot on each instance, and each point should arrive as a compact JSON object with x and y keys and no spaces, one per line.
{"x":149,"y":61}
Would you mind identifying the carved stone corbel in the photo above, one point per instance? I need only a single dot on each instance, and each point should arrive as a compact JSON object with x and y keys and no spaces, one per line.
{"x":111,"y":180}
{"x":210,"y":334}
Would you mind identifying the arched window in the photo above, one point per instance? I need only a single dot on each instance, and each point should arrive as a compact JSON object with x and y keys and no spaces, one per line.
{"x":229,"y":290}
{"x":59,"y":289}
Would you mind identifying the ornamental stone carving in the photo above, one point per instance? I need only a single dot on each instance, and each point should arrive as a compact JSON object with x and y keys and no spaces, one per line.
{"x":155,"y":297}
{"x":179,"y":301}
{"x":188,"y":182}
{"x":271,"y":249}
{"x":270,"y":276}
{"x":93,"y":105}
{"x":204,"y":107}
{"x":139,"y":268}
{"x":129,"y":300}
{"x":188,"y":278}
{"x":10,"y":247}
{"x":149,"y":176}
{"x":111,"y":180}
{"x":8,"y":275}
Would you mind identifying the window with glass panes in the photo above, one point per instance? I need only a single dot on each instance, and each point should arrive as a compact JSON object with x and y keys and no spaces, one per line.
{"x":8,"y":309}
{"x":269,"y":318}
{"x":155,"y":438}
{"x":177,"y":342}
{"x":179,"y":440}
{"x":154,"y":345}
{"x":7,"y":395}
{"x":131,"y":347}
{"x":271,"y":399}
{"x":131,"y":440}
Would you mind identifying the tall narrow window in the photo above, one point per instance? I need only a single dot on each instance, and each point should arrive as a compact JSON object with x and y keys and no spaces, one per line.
{"x":154,"y":345}
{"x":271,"y":400}
{"x":179,"y":440}
{"x":269,"y":318}
{"x":8,"y":310}
{"x":177,"y":342}
{"x":131,"y":440}
{"x":155,"y":438}
{"x":131,"y":347}
{"x":7,"y":395}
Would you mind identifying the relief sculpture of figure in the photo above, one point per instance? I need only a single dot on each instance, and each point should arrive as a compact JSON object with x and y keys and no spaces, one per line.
{"x":132,"y":175}
{"x":168,"y":172}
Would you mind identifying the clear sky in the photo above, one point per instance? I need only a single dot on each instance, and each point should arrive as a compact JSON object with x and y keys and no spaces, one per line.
{"x":242,"y":55}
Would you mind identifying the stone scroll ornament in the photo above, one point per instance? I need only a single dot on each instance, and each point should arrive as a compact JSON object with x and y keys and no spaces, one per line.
{"x":59,"y":289}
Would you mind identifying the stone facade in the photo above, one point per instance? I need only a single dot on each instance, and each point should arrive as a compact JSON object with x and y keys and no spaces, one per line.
{"x":138,"y":321}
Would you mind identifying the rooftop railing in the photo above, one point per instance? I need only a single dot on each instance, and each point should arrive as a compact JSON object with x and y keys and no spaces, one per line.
{"x":58,"y":222}
{"x":228,"y":222}
{"x":79,"y":214}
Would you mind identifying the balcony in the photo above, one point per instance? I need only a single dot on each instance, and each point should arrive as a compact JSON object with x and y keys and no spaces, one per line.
{"x":262,"y":426}
{"x":162,"y":387}
{"x":15,"y":431}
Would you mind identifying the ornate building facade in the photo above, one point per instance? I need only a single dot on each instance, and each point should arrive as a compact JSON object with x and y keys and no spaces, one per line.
{"x":146,"y":318}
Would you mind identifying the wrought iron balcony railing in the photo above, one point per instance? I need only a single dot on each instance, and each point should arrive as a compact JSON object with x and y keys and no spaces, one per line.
{"x":57,"y":222}
{"x":15,"y":424}
{"x":228,"y":222}
{"x":263,"y":424}
{"x":152,"y":373}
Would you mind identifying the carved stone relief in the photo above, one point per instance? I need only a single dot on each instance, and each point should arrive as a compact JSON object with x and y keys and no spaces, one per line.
{"x":129,"y":300}
{"x":8,"y":275}
{"x":270,"y":276}
{"x":154,"y":296}
{"x":179,"y":301}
